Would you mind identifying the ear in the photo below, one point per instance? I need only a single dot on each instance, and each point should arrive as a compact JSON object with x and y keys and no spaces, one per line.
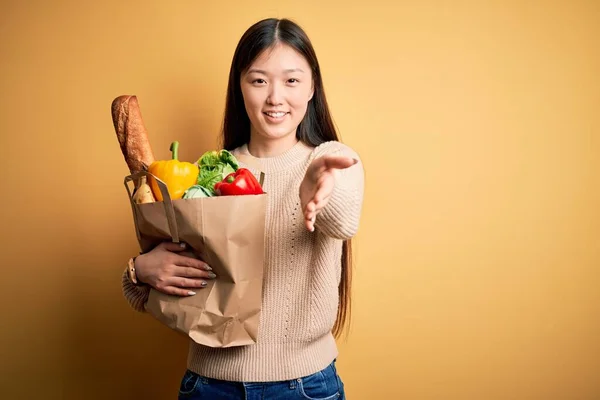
{"x":312,"y":92}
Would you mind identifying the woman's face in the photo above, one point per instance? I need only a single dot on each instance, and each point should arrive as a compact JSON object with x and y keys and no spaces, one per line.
{"x":276,"y":89}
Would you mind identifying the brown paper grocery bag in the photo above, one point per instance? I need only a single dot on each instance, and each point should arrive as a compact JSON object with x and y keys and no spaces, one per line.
{"x":227,"y":232}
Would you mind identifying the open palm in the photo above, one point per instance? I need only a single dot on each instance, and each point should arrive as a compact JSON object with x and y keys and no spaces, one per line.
{"x":318,"y":184}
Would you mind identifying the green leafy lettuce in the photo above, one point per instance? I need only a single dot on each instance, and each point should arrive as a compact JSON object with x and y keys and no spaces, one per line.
{"x":214,"y":167}
{"x":196,"y":191}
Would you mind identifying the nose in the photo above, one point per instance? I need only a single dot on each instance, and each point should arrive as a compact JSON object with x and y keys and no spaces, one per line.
{"x":275,"y":95}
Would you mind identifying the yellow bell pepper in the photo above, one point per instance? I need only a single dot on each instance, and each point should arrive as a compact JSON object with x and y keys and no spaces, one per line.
{"x":177,"y":175}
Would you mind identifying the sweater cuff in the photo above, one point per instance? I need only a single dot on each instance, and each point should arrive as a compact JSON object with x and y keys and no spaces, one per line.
{"x":137,"y":296}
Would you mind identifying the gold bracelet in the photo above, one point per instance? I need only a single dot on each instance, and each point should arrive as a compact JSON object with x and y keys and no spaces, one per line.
{"x":131,"y":272}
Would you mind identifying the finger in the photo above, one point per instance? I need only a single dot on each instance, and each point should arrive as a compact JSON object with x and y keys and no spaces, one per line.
{"x":171,"y":246}
{"x":324,"y":186}
{"x":321,"y":197}
{"x":310,"y":224}
{"x":310,"y":214}
{"x":316,"y":205}
{"x":311,"y":217}
{"x":322,"y":203}
{"x":309,"y":211}
{"x":184,"y":261}
{"x":183,"y":283}
{"x":309,"y":220}
{"x":191,"y":272}
{"x":320,"y":194}
{"x":338,"y":162}
{"x":176,"y":291}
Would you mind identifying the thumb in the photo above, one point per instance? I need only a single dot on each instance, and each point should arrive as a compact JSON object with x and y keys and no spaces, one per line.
{"x":170,"y":246}
{"x":338,"y":162}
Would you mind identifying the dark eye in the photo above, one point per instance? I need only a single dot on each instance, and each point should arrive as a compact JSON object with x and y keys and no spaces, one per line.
{"x":258,"y":81}
{"x":293,"y":80}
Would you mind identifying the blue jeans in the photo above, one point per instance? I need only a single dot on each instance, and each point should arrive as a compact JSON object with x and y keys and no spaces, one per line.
{"x":323,"y":385}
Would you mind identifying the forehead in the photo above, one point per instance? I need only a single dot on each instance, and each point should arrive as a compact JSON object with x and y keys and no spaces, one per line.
{"x":278,"y":58}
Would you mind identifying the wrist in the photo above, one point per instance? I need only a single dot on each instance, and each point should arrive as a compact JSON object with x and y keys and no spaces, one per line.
{"x":132,"y":272}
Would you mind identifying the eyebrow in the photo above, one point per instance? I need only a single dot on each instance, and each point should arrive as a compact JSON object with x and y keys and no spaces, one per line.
{"x":260,"y":71}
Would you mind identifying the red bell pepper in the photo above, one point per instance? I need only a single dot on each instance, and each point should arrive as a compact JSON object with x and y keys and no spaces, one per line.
{"x":238,"y":183}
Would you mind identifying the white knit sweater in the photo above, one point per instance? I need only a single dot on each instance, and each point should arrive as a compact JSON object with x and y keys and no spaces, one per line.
{"x":301,"y":276}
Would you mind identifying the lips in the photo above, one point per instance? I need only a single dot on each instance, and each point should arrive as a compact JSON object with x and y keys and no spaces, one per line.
{"x":275,"y":114}
{"x":275,"y":117}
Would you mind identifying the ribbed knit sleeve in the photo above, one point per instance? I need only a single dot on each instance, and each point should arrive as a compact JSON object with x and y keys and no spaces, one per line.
{"x":137,"y":296}
{"x":340,"y":217}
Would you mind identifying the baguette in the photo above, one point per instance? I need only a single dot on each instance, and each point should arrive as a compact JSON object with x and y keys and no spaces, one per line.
{"x":135,"y":146}
{"x":132,"y":134}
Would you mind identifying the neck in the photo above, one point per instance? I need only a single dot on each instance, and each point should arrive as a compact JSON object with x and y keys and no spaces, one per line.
{"x":264,"y":148}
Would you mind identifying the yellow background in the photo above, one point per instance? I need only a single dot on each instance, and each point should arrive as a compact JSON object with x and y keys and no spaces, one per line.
{"x":478,"y":257}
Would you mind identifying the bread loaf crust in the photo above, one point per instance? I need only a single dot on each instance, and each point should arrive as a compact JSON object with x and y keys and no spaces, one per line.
{"x":131,"y":133}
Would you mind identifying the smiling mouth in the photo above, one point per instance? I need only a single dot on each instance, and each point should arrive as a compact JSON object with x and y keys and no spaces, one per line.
{"x":275,"y":114}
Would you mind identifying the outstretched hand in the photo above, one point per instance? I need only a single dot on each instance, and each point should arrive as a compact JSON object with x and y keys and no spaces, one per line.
{"x":318,"y":183}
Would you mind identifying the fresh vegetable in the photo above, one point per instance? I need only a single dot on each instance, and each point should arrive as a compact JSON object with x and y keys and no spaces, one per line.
{"x":197,"y":191}
{"x":214,"y":167}
{"x":177,"y":175}
{"x":237,"y":183}
{"x":143,"y":194}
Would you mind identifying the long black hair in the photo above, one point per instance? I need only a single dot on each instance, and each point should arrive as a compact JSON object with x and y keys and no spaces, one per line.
{"x":316,"y":127}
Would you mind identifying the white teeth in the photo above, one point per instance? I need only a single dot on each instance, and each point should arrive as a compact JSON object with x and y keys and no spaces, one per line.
{"x":276,"y":115}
